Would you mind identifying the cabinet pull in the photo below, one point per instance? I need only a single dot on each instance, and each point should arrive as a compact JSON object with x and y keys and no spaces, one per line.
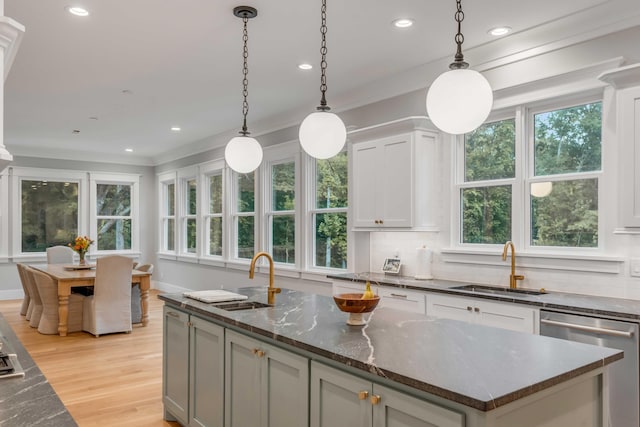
{"x":258,"y":352}
{"x":469,"y":308}
{"x":362,"y":395}
{"x":476,"y":309}
{"x":377,"y":221}
{"x":381,"y":222}
{"x":399,"y":296}
{"x":375,"y":399}
{"x":173,"y":314}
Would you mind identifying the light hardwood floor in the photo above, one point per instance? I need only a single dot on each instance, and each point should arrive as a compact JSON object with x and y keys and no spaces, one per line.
{"x":113,"y":380}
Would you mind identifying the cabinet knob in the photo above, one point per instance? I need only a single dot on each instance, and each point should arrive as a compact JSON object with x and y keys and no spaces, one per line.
{"x":381,"y":221}
{"x":376,"y":221}
{"x":476,"y":309}
{"x":375,"y":399}
{"x":258,"y":352}
{"x":469,"y":308}
{"x":362,"y":395}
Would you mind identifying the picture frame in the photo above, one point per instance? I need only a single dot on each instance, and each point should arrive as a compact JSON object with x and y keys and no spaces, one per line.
{"x":391,"y":266}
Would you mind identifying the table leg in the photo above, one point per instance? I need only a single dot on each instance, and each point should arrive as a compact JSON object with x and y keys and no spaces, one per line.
{"x":145,"y":284}
{"x":63,"y":313}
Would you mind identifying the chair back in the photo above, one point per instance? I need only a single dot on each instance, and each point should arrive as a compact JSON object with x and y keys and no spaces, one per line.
{"x":23,"y":280}
{"x":35,"y":302}
{"x":48,"y":292}
{"x":112,"y":291}
{"x":59,"y":255}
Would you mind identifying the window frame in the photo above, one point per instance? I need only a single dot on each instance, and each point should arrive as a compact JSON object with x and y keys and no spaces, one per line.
{"x":4,"y":215}
{"x":182,"y":216}
{"x":235,"y":214}
{"x":524,"y":176}
{"x":208,"y":170}
{"x":311,"y":211}
{"x":163,"y":181}
{"x":115,"y":179}
{"x":19,"y":174}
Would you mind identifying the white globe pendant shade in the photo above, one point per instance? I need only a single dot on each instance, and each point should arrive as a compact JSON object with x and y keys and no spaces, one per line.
{"x":243,"y":154}
{"x":541,"y":189}
{"x":322,"y":134}
{"x":459,"y":101}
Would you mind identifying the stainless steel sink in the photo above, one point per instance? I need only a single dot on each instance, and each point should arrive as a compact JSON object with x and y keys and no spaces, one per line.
{"x":483,"y":289}
{"x":243,"y":305}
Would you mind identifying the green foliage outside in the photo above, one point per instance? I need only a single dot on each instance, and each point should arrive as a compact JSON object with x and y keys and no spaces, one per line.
{"x":245,"y":226}
{"x":331,"y":228}
{"x":566,"y":141}
{"x":283,"y":180}
{"x":192,"y":209}
{"x":49,"y":214}
{"x":215,"y":207}
{"x":113,"y":201}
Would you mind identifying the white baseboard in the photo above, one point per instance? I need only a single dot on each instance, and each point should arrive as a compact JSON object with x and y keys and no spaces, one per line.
{"x":168,"y":287}
{"x":11,"y":294}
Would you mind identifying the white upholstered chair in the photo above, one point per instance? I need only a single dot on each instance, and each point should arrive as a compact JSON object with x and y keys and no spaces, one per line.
{"x":108,"y":310}
{"x":48,"y":292}
{"x":136,"y":309}
{"x":34,"y":312}
{"x":59,"y":255}
{"x":23,"y":280}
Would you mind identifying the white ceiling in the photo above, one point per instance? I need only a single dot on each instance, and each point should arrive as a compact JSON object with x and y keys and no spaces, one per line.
{"x":132,"y":69}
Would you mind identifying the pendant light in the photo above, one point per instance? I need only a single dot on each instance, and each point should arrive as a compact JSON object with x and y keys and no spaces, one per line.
{"x":460,"y":99}
{"x":322,"y":134}
{"x":243,"y":153}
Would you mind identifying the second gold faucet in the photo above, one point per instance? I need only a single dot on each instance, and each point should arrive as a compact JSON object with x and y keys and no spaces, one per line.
{"x":513,"y":278}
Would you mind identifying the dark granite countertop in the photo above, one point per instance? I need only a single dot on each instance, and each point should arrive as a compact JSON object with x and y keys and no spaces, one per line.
{"x":475,"y":365}
{"x":30,"y":400}
{"x":618,"y":308}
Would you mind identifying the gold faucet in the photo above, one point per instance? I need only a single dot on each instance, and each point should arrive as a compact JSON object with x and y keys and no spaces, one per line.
{"x":513,"y":279}
{"x":271,"y":297}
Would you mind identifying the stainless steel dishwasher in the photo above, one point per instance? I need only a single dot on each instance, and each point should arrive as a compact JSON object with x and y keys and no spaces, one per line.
{"x":624,"y":383}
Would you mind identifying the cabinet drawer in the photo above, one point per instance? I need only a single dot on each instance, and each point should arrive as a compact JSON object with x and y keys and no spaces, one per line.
{"x":403,"y":299}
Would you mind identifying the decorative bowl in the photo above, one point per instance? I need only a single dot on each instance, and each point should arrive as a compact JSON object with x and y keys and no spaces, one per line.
{"x":355,"y":306}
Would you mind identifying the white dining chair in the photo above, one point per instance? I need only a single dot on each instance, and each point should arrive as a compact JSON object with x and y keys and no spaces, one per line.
{"x":48,"y":292}
{"x":136,"y":308}
{"x":23,"y":280}
{"x":35,"y":303}
{"x":108,"y":310}
{"x":59,"y":255}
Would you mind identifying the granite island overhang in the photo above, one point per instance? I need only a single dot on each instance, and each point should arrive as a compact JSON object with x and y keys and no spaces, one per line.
{"x":475,"y":366}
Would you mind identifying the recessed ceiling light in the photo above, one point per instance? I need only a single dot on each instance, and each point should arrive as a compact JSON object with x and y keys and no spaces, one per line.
{"x":78,"y":11}
{"x":176,"y":129}
{"x":499,"y":31}
{"x":129,"y":150}
{"x":305,"y":66}
{"x":403,"y":23}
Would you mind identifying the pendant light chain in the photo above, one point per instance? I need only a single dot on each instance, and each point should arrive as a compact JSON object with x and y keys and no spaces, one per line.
{"x":459,"y":57}
{"x":245,"y":79}
{"x":323,"y":61}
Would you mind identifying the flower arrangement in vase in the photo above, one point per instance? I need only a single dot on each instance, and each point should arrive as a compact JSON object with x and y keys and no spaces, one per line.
{"x":81,"y":246}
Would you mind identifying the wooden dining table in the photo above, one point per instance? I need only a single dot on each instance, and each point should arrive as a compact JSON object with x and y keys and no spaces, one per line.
{"x":69,"y":277}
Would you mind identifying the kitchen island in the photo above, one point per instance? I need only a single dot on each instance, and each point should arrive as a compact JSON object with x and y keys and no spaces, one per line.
{"x":29,"y":400}
{"x":465,"y":374}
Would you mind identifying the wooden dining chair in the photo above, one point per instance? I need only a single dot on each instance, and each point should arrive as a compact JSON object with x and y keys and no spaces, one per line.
{"x":59,"y":255}
{"x":24,"y":308}
{"x":108,"y":310}
{"x":34,"y":312}
{"x":136,"y":308}
{"x":48,"y":292}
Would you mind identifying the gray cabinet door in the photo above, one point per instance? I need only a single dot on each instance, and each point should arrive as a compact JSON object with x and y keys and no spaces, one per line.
{"x":395,"y":409}
{"x":243,"y":381}
{"x":175,"y":364}
{"x":206,"y":376}
{"x":338,"y":398}
{"x":285,"y":379}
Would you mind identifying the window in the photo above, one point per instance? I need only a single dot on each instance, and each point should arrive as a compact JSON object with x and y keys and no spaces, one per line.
{"x":552,"y":180}
{"x":167,"y":201}
{"x":213,"y":218}
{"x":49,"y":213}
{"x":190,"y":208}
{"x":244,"y":215}
{"x":113,"y":216}
{"x":329,"y":213}
{"x":281,"y":212}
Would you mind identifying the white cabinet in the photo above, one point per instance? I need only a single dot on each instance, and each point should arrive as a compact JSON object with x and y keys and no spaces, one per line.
{"x":193,"y":369}
{"x":398,"y":298}
{"x":473,"y":310}
{"x":393,"y":181}
{"x":342,"y":399}
{"x":629,"y":111}
{"x":265,"y":385}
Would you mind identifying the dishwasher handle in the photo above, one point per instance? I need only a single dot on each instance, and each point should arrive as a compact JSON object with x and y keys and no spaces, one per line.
{"x":594,"y":329}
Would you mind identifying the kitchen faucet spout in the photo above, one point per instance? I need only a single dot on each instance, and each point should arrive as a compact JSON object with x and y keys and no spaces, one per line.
{"x":271,"y":297}
{"x":513,"y":278}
